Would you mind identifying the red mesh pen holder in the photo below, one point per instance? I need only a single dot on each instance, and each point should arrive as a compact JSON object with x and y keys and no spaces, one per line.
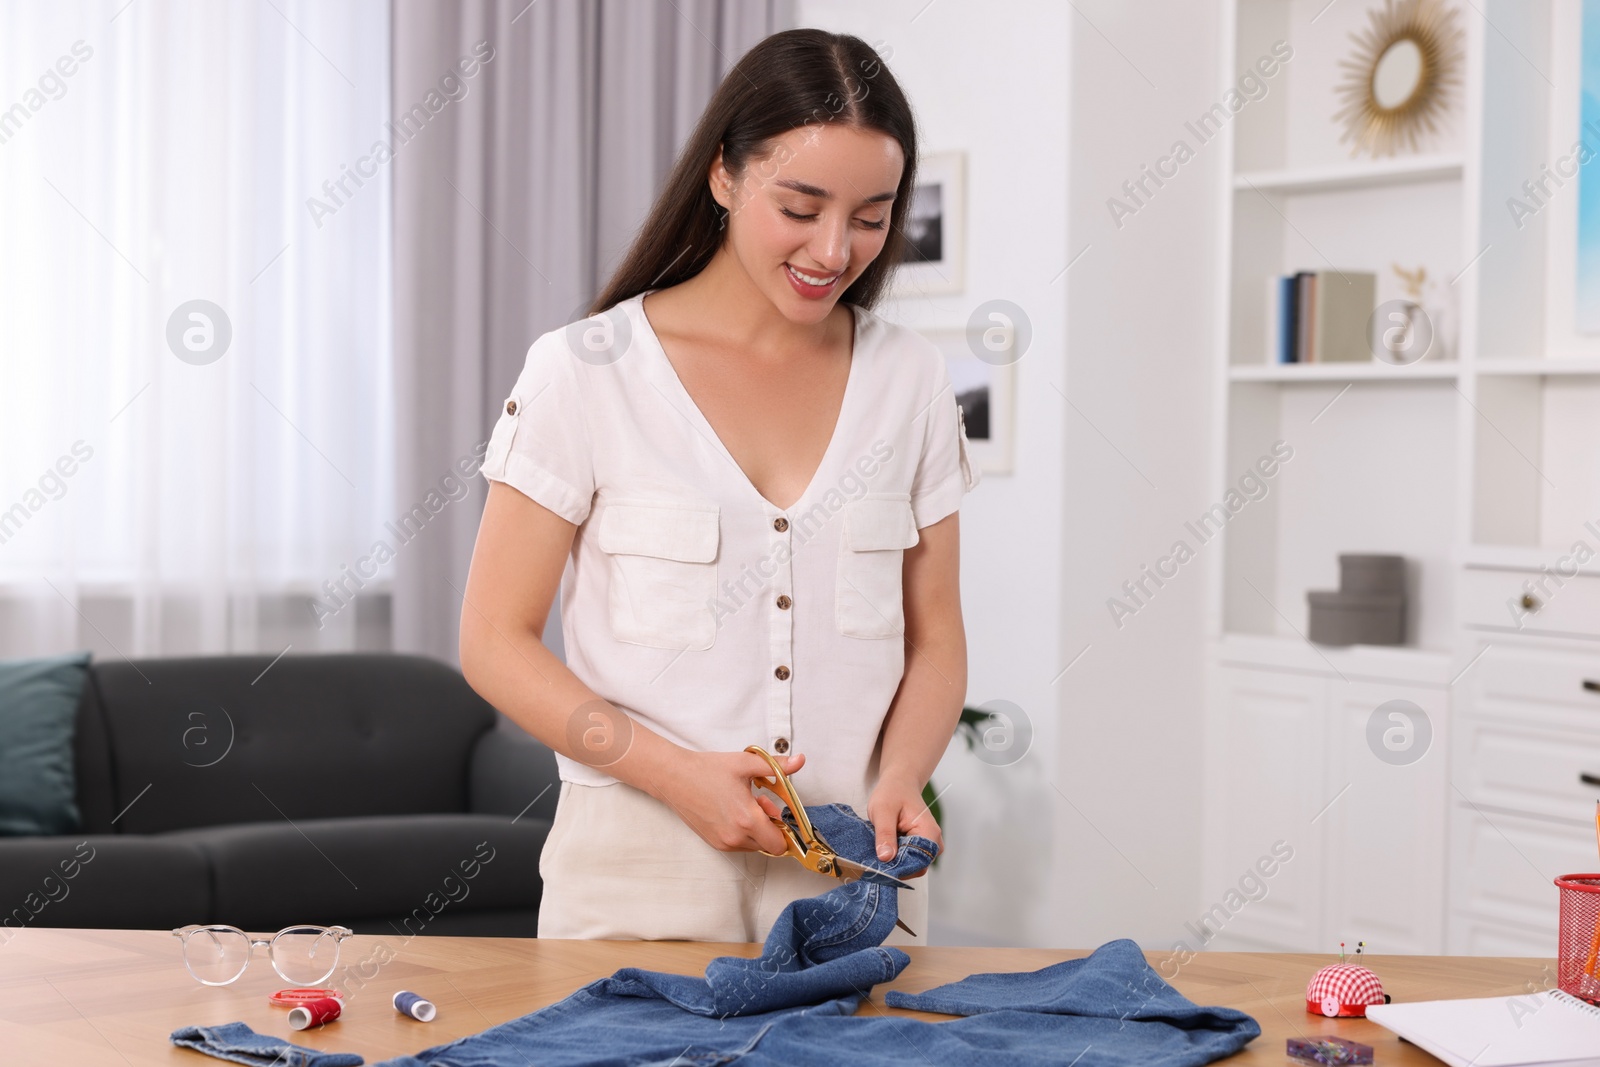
{"x":1578,"y":958}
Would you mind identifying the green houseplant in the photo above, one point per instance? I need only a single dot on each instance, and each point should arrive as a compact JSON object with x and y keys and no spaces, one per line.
{"x":970,"y":730}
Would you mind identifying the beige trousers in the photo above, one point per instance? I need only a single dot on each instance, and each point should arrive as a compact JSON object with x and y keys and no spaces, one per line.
{"x":621,"y":864}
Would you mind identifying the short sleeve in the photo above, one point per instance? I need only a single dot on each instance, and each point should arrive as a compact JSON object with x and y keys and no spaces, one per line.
{"x":945,"y":472}
{"x":540,"y":444}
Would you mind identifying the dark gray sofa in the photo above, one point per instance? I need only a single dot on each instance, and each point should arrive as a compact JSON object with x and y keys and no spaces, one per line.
{"x":378,"y":792}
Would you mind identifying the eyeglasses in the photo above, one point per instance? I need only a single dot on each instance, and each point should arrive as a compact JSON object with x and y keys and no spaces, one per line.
{"x":303,"y":955}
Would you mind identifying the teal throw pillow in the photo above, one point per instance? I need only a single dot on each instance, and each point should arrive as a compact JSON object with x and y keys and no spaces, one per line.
{"x":38,"y":718}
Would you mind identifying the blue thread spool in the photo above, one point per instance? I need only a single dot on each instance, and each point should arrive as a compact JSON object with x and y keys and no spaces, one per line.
{"x":407,"y":1003}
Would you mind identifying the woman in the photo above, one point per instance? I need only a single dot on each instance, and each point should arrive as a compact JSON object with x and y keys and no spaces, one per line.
{"x":746,"y":484}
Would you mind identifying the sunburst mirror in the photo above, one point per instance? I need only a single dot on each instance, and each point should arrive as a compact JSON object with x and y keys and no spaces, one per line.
{"x":1398,"y":83}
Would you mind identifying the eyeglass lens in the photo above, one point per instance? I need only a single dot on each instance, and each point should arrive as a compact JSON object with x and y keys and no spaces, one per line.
{"x":216,"y":957}
{"x":305,"y":954}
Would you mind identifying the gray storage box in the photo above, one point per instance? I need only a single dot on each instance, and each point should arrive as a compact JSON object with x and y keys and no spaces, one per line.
{"x":1372,"y":574}
{"x":1344,"y":618}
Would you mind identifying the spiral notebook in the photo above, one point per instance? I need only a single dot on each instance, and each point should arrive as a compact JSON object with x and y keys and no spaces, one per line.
{"x":1549,"y":1029}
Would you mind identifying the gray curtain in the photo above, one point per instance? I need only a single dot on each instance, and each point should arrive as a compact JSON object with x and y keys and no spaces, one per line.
{"x":517,"y":189}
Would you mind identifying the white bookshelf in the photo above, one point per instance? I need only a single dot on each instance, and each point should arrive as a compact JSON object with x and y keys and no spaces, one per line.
{"x":1496,"y":446}
{"x":1366,"y":174}
{"x":1342,"y":372}
{"x":1492,"y":454}
{"x":1537,"y":368}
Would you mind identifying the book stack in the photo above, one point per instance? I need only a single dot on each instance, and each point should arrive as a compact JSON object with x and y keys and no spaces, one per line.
{"x":1320,"y":316}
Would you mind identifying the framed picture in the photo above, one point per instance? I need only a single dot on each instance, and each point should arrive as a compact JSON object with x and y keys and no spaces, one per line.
{"x":1572,"y":233}
{"x":1586,"y":286}
{"x":986,"y":393}
{"x":936,"y":225}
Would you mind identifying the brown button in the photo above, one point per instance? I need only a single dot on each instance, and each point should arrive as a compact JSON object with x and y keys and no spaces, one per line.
{"x":784,"y":601}
{"x":511,"y":407}
{"x":780,"y":524}
{"x":782,"y":673}
{"x":781,"y":745}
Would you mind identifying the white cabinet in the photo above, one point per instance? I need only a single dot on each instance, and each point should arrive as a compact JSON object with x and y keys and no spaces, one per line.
{"x":1386,"y":835}
{"x":1525,"y":760}
{"x":1502,"y":899}
{"x":1480,"y":468}
{"x":1295,"y":759}
{"x":1369,"y":457}
{"x":1270,"y":786}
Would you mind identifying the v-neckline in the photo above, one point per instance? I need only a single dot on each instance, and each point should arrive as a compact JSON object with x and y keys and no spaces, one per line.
{"x":711,"y":432}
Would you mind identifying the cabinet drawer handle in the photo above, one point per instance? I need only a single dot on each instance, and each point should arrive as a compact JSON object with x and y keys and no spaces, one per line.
{"x":1588,"y":779}
{"x":1591,"y":685}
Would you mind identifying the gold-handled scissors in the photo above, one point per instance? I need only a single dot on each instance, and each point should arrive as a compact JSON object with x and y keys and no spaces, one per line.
{"x":808,"y":846}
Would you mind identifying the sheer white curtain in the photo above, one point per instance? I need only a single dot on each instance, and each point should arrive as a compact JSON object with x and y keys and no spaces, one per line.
{"x":158,"y":498}
{"x":513,"y":208}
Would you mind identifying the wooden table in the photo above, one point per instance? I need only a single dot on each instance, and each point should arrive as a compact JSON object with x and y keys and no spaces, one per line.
{"x":91,"y":997}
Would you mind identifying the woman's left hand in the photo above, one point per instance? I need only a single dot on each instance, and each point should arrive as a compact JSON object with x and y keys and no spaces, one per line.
{"x":895,"y":808}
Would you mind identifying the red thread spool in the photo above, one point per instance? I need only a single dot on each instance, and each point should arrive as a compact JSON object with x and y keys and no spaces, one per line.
{"x":315,"y":1013}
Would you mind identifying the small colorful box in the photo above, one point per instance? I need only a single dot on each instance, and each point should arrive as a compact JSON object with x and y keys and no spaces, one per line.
{"x":1328,"y":1050}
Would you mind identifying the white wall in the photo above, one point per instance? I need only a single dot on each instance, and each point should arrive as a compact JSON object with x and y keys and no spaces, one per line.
{"x":1094,"y":834}
{"x":1139,"y":357}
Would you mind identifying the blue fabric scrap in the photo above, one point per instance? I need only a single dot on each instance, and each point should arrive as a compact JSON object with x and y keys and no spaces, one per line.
{"x":240,"y":1044}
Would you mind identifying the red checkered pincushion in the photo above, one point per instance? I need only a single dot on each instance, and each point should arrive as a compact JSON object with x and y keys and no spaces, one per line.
{"x":1343,"y":989}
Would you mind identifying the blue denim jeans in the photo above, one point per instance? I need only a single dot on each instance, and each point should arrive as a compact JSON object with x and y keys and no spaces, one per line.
{"x":818,"y":949}
{"x":795,"y":1004}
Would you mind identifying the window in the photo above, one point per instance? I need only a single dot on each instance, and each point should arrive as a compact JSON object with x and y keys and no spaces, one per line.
{"x":195,"y":353}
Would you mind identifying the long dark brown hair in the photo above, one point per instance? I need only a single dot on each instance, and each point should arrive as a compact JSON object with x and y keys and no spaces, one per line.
{"x":788,"y":80}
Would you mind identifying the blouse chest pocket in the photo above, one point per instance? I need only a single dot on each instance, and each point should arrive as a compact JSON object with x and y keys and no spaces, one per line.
{"x":663,"y":573}
{"x":868,"y":598}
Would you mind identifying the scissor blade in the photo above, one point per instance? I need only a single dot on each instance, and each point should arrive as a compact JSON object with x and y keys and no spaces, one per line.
{"x":850,"y":871}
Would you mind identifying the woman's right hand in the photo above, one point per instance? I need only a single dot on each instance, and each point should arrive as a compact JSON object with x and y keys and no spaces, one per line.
{"x":710,"y":791}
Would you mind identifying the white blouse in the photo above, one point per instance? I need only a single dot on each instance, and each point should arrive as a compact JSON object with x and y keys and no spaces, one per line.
{"x":690,"y":601}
